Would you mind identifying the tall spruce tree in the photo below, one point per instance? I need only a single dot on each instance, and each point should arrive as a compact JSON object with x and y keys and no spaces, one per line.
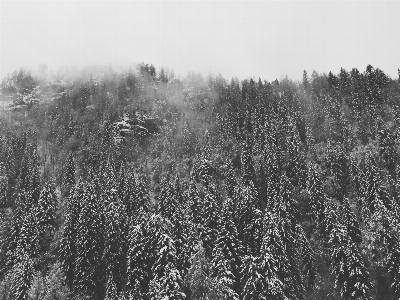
{"x":68,"y":247}
{"x":351,"y":275}
{"x":227,"y":254}
{"x":89,"y":268}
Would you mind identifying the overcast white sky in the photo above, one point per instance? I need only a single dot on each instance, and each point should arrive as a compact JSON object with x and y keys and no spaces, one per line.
{"x":267,"y":39}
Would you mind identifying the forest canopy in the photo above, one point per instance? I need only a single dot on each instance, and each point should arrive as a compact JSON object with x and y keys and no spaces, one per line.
{"x":138,"y":184}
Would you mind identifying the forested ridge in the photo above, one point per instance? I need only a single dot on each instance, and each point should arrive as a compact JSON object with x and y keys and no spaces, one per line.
{"x":137,"y":184}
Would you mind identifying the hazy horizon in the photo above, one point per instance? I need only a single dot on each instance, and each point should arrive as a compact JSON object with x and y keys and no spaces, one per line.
{"x":267,"y":39}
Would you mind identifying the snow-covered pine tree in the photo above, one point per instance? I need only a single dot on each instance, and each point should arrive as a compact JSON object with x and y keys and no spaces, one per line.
{"x":167,"y":281}
{"x":317,"y":194}
{"x":33,"y":180}
{"x":279,"y":274}
{"x":296,"y":166}
{"x":142,"y":254}
{"x":393,"y":261}
{"x":261,"y":278}
{"x":115,"y":240}
{"x":3,"y":185}
{"x":307,"y":259}
{"x":46,"y":208}
{"x":28,"y":239}
{"x":285,"y":205}
{"x":349,"y":219}
{"x":375,"y":195}
{"x":139,"y":262}
{"x":246,"y":205}
{"x":21,"y":277}
{"x":228,"y":253}
{"x":69,"y":173}
{"x":89,"y":268}
{"x":143,"y":201}
{"x":247,"y":162}
{"x":167,"y":205}
{"x":195,"y":203}
{"x":68,"y":241}
{"x":210,"y":220}
{"x":351,"y":275}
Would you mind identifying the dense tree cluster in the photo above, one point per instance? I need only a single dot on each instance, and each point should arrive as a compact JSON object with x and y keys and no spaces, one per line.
{"x":136,"y":184}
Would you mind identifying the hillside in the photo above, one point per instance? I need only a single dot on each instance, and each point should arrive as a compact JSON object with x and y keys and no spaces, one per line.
{"x":136,"y":184}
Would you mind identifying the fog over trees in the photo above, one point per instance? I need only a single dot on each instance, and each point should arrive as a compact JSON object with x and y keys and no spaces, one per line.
{"x":137,"y":184}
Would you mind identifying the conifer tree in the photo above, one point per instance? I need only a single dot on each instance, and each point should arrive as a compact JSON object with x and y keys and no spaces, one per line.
{"x":317,"y":195}
{"x":296,"y":168}
{"x":263,"y":274}
{"x":139,"y":262}
{"x":393,"y":261}
{"x":167,"y":281}
{"x":285,"y":204}
{"x":351,"y":275}
{"x":143,"y":201}
{"x":69,"y":173}
{"x":306,"y":82}
{"x":166,"y":199}
{"x":33,"y":179}
{"x":337,"y":163}
{"x":46,"y":208}
{"x":247,"y":163}
{"x":127,"y":192}
{"x":247,"y":206}
{"x":195,"y":204}
{"x":388,"y":150}
{"x":350,"y":221}
{"x":3,"y":186}
{"x":12,"y":239}
{"x":280,"y":243}
{"x":210,"y":220}
{"x":68,"y":247}
{"x":111,"y":289}
{"x":28,"y":239}
{"x":227,"y":253}
{"x":89,"y":268}
{"x":142,"y":254}
{"x":115,"y":241}
{"x":22,"y":275}
{"x":375,"y":196}
{"x":307,"y":259}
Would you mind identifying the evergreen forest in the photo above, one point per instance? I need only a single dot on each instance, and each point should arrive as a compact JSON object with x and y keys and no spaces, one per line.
{"x":134,"y":183}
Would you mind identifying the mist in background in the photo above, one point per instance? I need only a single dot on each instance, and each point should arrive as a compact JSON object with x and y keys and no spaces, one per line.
{"x":241,"y":39}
